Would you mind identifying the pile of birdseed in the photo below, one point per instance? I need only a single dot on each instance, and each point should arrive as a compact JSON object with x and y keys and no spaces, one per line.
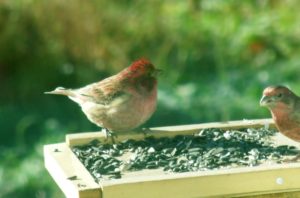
{"x":209,"y":149}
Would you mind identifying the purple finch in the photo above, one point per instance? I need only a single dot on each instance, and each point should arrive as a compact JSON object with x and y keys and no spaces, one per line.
{"x":121,"y":102}
{"x":285,"y":109}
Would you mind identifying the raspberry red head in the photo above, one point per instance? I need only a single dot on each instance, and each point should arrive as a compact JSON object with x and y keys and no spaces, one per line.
{"x":142,"y":67}
{"x":140,"y":64}
{"x":274,"y":95}
{"x":275,"y":90}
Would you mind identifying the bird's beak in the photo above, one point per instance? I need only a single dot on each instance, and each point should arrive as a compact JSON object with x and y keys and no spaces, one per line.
{"x":266,"y":100}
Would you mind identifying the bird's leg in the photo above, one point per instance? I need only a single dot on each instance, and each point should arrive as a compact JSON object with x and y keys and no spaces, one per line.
{"x":110,"y":134}
{"x":146,"y":131}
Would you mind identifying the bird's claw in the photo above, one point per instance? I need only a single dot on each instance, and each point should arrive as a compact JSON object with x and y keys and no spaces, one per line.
{"x":110,"y":134}
{"x":146,"y":131}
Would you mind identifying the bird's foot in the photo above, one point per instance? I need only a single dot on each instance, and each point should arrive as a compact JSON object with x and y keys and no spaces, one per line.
{"x":146,"y":131}
{"x":110,"y":134}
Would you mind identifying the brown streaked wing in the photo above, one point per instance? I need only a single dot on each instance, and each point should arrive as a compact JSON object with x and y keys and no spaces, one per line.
{"x":102,"y":92}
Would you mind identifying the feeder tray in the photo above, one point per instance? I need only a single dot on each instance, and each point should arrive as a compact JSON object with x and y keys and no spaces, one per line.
{"x":264,"y":180}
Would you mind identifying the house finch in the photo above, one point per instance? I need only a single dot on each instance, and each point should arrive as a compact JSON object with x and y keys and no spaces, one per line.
{"x":285,"y":109}
{"x":121,"y":102}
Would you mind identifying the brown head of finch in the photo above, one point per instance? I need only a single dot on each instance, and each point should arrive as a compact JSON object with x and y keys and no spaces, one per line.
{"x":121,"y":102}
{"x":285,"y":109}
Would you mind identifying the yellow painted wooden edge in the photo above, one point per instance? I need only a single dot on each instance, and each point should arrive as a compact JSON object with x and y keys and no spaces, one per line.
{"x":69,"y":173}
{"x":168,"y":131}
{"x":218,"y":185}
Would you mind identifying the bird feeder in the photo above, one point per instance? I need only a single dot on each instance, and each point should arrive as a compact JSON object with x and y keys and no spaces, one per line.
{"x":265,"y":180}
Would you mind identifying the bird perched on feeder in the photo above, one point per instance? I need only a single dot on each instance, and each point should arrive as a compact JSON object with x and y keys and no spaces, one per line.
{"x":121,"y":102}
{"x":284,"y":106}
{"x":285,"y":109}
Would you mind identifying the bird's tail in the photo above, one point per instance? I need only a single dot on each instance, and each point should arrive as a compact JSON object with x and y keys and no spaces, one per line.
{"x":61,"y":91}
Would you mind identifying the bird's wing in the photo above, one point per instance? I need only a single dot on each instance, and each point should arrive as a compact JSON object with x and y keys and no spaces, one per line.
{"x":103,"y":92}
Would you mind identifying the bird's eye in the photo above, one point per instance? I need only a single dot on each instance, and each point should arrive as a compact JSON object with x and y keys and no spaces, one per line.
{"x":279,"y":95}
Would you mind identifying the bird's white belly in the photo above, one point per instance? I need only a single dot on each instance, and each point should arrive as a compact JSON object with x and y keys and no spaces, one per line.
{"x":122,"y":114}
{"x":130,"y":115}
{"x":94,"y":112}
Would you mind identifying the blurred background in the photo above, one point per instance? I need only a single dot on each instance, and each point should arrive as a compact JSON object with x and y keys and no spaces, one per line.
{"x":217,"y":57}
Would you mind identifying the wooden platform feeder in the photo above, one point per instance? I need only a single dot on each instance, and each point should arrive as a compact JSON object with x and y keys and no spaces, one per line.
{"x":278,"y":180}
